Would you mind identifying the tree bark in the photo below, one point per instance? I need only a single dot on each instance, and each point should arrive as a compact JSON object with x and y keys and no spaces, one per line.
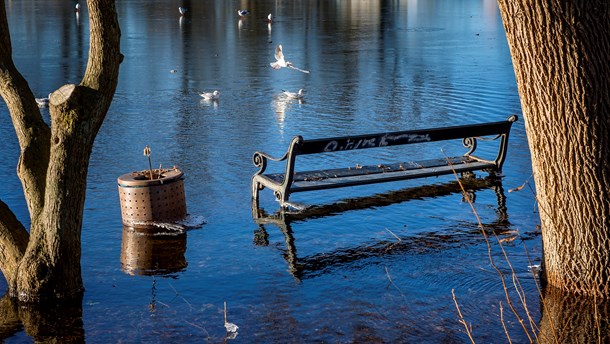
{"x":560,"y":52}
{"x":54,"y":162}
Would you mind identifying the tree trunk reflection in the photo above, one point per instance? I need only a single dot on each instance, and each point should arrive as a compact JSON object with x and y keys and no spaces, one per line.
{"x":48,"y":323}
{"x":567,"y":318}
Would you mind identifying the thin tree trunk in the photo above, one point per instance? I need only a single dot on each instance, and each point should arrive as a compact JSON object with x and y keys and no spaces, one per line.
{"x":54,"y":162}
{"x":560,"y":51}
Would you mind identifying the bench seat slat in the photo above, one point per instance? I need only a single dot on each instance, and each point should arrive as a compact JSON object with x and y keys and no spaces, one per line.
{"x":323,"y":179}
{"x":354,"y":180}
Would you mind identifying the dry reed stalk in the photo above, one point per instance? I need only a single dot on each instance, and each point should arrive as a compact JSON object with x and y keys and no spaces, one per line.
{"x":503,"y":323}
{"x":462,"y":321}
{"x":491,"y":260}
{"x":538,"y":288}
{"x":387,"y":272}
{"x":397,"y":238}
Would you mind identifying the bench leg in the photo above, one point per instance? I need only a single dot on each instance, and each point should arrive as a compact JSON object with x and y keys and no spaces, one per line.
{"x":282,"y":197}
{"x":255,"y":189}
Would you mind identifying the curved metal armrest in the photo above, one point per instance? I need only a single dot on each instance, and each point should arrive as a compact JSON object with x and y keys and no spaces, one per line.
{"x":260,"y":160}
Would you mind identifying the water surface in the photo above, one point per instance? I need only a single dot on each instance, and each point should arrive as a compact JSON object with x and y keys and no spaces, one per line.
{"x":382,"y":273}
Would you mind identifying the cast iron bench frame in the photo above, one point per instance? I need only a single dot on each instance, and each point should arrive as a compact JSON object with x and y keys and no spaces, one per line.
{"x":284,"y":184}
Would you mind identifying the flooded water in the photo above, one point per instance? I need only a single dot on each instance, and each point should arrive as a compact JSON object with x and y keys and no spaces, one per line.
{"x":375,"y":271}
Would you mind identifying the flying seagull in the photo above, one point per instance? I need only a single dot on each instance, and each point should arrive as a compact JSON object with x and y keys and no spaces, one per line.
{"x":210,"y":95}
{"x":281,"y":62}
{"x":182,"y":10}
{"x":243,"y":13}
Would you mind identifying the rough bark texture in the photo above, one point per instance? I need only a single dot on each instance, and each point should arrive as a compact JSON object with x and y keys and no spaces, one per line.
{"x":54,"y":162}
{"x":560,"y":51}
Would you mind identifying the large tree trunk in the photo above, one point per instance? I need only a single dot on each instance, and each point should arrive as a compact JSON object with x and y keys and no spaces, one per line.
{"x":560,"y":52}
{"x":54,"y":162}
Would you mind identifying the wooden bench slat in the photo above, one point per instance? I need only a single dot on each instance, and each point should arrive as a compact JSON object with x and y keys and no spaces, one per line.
{"x":354,"y":180}
{"x":367,"y":170}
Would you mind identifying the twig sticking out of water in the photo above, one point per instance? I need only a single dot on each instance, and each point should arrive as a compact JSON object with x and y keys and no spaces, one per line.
{"x":396,"y":236}
{"x":231,"y":328}
{"x":503,"y":323}
{"x":462,"y":321}
{"x":387,"y":272}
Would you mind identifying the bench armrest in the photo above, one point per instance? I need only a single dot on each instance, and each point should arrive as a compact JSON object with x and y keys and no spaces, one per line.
{"x":471,"y":143}
{"x":260,"y":158}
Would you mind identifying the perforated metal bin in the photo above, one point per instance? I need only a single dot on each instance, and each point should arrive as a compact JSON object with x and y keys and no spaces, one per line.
{"x":145,"y":201}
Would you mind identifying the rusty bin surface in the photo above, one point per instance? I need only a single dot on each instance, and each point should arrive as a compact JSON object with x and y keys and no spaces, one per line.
{"x":144,"y":201}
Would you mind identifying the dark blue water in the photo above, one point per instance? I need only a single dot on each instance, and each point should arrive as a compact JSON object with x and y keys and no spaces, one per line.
{"x":378,"y":274}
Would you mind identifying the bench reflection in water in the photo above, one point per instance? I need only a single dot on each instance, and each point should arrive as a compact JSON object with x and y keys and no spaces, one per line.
{"x":313,"y":265}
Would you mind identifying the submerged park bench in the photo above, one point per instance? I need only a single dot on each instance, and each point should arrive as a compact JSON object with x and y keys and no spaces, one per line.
{"x":291,"y":181}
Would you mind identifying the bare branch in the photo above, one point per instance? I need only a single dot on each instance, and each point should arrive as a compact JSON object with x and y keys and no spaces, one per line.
{"x":32,"y":132}
{"x":13,"y":241}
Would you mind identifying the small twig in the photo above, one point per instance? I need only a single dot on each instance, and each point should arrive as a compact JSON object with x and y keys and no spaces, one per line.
{"x":199,"y":327}
{"x":504,"y":324}
{"x":225,"y":312}
{"x":387,"y":272}
{"x":462,"y":321}
{"x":396,"y":236}
{"x":147,"y":154}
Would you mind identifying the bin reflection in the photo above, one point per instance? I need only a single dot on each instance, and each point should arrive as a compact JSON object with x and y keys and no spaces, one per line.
{"x":152,"y":251}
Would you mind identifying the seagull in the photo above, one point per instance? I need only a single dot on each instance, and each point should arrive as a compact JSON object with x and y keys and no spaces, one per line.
{"x":43,"y":102}
{"x":77,"y":8}
{"x":281,"y":62}
{"x":243,"y":13}
{"x":269,"y":18}
{"x":210,"y":95}
{"x":182,"y":10}
{"x":294,"y":95}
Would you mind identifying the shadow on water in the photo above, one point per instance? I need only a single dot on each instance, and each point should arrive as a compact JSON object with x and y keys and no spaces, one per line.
{"x":304,"y":267}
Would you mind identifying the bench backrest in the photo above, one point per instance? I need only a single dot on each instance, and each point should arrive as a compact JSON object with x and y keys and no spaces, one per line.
{"x":345,"y":143}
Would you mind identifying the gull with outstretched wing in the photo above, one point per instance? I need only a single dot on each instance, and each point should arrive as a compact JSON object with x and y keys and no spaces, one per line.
{"x":280,"y":61}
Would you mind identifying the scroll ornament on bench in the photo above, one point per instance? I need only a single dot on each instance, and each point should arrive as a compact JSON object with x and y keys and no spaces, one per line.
{"x":283,"y":184}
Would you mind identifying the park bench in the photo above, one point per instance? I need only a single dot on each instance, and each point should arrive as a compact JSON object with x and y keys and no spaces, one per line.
{"x":291,"y":181}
